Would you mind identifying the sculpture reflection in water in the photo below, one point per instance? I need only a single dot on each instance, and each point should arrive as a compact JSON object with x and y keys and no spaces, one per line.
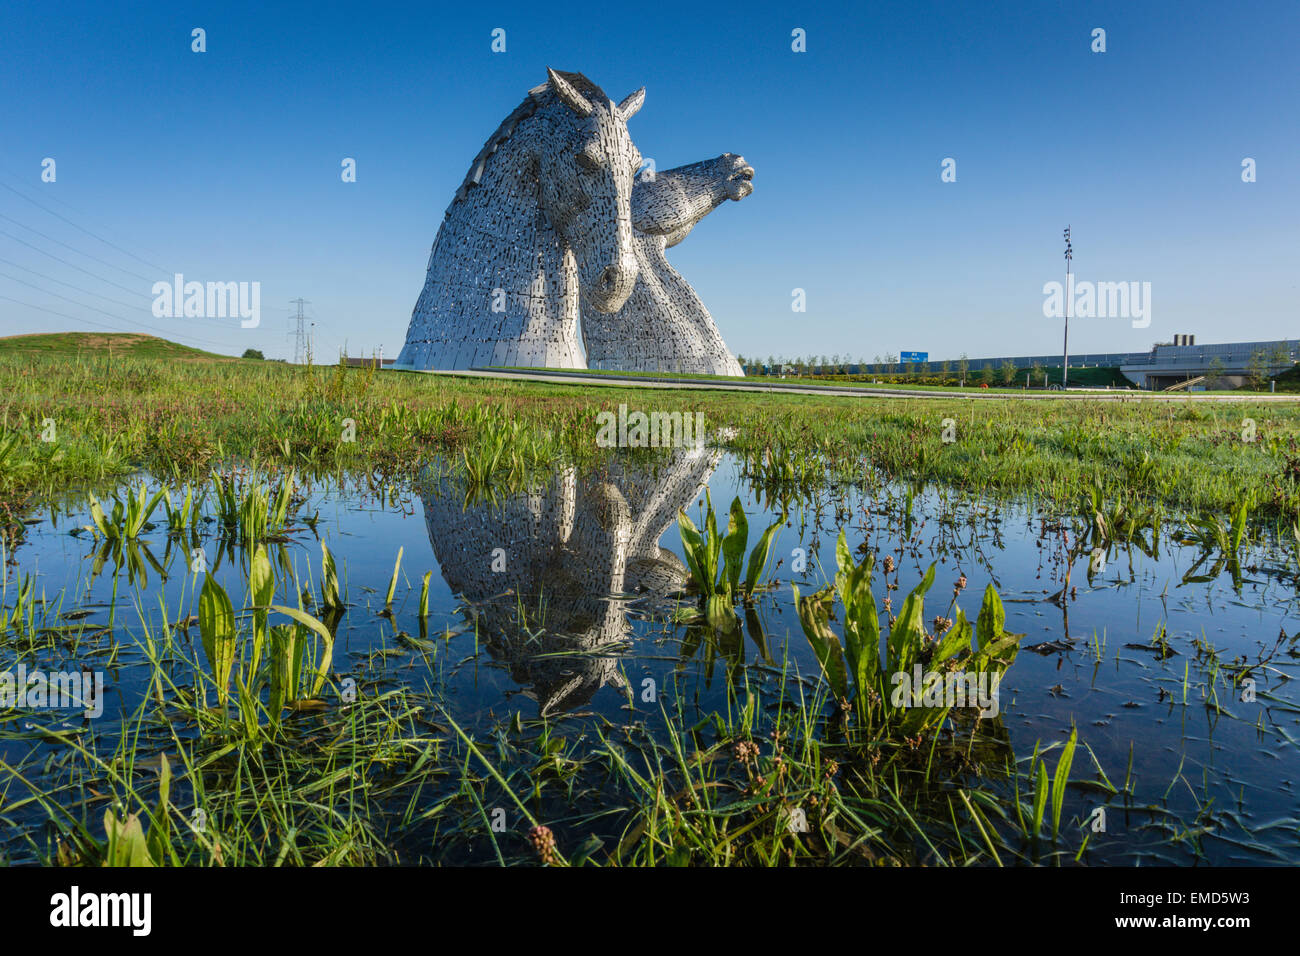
{"x":571,"y":557}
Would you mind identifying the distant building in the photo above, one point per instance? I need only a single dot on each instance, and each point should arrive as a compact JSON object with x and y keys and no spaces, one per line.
{"x":1164,"y":365}
{"x":1167,"y":365}
{"x":364,"y":362}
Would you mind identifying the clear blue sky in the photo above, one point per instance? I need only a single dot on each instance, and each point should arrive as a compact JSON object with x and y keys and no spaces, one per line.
{"x":225,"y":165}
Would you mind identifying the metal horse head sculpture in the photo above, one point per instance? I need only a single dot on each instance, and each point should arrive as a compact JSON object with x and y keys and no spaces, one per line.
{"x":542,"y":220}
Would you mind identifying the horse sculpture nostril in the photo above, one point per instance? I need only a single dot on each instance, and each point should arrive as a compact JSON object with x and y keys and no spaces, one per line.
{"x":608,"y":279}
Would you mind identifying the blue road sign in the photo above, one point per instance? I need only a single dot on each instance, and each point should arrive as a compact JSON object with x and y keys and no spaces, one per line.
{"x":914,"y":357}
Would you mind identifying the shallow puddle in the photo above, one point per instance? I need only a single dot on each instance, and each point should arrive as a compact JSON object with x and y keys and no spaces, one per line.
{"x":561,"y":602}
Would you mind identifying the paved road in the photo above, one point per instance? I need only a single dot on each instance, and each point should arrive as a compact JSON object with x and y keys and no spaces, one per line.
{"x":753,"y":385}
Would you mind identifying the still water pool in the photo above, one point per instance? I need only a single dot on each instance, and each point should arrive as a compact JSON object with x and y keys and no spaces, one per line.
{"x":1175,"y":667}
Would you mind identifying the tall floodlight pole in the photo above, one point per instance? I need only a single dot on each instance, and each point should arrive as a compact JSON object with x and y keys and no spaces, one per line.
{"x":1065,"y":369}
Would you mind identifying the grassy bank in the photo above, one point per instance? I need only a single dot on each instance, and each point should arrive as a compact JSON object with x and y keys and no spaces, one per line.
{"x":974,"y":383}
{"x":78,"y":421}
{"x":109,"y":345}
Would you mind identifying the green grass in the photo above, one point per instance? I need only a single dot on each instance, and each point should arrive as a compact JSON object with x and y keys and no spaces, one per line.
{"x":1083,"y":378}
{"x":1288,"y":381}
{"x":111,"y":417}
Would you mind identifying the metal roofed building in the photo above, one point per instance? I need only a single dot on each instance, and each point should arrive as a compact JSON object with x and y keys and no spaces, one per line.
{"x":1167,"y":365}
{"x":1164,"y":365}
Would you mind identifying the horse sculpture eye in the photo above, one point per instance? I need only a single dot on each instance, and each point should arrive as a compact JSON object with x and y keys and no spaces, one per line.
{"x":588,"y":162}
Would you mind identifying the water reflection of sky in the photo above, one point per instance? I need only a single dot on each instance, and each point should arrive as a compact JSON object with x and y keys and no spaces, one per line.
{"x":578,"y":621}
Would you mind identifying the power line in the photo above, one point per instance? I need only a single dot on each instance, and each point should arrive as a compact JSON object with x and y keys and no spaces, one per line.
{"x":48,"y":195}
{"x":59,"y":242}
{"x":92,"y":235}
{"x":98,"y":278}
{"x":102,"y":312}
{"x":71,"y":265}
{"x":97,"y":295}
{"x":77,"y":318}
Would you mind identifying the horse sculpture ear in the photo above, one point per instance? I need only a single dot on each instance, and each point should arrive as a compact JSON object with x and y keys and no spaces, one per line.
{"x":629,"y":107}
{"x":568,"y":93}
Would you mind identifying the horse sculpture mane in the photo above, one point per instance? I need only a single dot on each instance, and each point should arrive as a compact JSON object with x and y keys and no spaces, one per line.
{"x":536,"y":96}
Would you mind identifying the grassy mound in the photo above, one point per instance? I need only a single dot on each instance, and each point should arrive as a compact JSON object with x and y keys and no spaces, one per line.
{"x":132,"y":344}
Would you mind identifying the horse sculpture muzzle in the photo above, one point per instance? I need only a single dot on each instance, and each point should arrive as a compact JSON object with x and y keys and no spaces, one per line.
{"x":614,"y":284}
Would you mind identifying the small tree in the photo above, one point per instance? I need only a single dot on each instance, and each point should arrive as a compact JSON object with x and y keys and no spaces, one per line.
{"x":944,"y":369}
{"x":1037,"y":373}
{"x":1216,"y":371}
{"x":1280,"y":359}
{"x":1008,"y":372}
{"x":253,"y":354}
{"x":963,"y":366}
{"x":1258,"y":370}
{"x":987,"y":374}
